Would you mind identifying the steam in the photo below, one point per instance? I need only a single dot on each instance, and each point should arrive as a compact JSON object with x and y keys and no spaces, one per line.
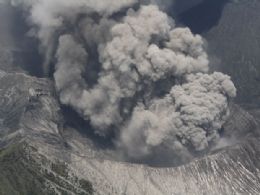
{"x":126,"y":68}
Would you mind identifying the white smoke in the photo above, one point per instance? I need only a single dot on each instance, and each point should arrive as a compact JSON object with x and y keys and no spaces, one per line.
{"x":134,"y":73}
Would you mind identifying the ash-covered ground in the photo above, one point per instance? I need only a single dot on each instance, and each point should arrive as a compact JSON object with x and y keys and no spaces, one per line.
{"x":106,"y":86}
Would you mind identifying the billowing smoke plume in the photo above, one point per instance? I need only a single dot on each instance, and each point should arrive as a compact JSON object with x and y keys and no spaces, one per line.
{"x":125,"y":67}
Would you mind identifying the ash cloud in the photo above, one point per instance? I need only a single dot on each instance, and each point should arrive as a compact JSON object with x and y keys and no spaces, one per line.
{"x":125,"y":67}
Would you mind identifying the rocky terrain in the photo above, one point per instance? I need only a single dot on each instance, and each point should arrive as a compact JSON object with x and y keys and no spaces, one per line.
{"x":42,"y":154}
{"x":34,"y":138}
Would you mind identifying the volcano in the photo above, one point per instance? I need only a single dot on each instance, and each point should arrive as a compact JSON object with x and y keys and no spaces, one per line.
{"x":50,"y":145}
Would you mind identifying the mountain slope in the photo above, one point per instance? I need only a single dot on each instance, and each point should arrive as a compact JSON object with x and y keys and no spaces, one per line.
{"x":234,"y":43}
{"x":40,"y":154}
{"x":51,"y":156}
